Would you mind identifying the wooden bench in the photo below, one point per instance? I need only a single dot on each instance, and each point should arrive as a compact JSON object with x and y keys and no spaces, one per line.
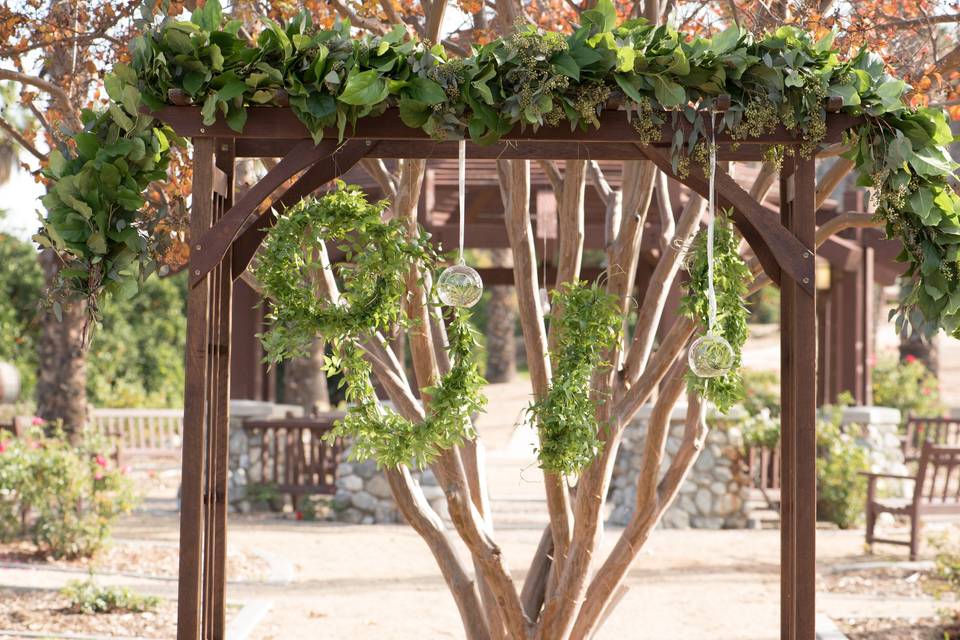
{"x":144,"y":435}
{"x":936,"y":492}
{"x":295,"y":459}
{"x":941,"y":431}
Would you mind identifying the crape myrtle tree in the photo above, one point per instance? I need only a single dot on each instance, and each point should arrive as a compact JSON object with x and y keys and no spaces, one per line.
{"x":568,"y":590}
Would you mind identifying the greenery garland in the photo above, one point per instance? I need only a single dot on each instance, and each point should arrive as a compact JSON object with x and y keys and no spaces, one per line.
{"x":731,"y":276}
{"x":333,"y":78}
{"x":566,"y":418}
{"x":378,"y":256}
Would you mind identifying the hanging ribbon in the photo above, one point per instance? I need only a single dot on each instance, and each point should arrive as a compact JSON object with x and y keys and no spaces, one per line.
{"x":462,"y":174}
{"x":711,"y":216}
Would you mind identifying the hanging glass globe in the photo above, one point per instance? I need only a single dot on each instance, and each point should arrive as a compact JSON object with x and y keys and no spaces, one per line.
{"x":544,"y":300}
{"x":459,"y":286}
{"x":710,"y":356}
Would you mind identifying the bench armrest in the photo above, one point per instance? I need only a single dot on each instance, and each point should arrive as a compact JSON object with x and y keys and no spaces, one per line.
{"x":893,"y":476}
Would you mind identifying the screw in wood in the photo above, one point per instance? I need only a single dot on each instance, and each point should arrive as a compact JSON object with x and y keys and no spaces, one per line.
{"x":806,"y":281}
{"x":196,"y":272}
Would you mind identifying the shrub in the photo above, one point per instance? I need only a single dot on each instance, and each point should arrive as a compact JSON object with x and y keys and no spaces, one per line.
{"x":63,"y":497}
{"x":841,"y":489}
{"x":906,"y":385}
{"x":86,"y":596}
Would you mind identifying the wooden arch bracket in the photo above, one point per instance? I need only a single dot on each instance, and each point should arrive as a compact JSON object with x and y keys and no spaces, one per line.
{"x":776,"y":248}
{"x":209,"y":249}
{"x":337,"y":164}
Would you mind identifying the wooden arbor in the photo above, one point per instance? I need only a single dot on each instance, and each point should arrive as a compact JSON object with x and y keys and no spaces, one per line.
{"x":226,"y":234}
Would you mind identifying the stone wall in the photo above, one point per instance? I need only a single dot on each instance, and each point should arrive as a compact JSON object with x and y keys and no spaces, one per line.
{"x":363,"y":494}
{"x":714,"y":494}
{"x":244,"y":452}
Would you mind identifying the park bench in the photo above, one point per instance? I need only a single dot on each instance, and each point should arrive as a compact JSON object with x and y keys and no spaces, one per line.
{"x":295,"y":459}
{"x":142,"y":435}
{"x":936,"y":492}
{"x":942,"y":431}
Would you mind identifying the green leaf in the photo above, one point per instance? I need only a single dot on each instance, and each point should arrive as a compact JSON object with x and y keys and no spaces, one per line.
{"x":669,"y":93}
{"x":97,"y":243}
{"x":625,"y":58}
{"x":603,"y":16}
{"x":413,"y":113}
{"x":208,"y":17}
{"x":628,"y":88}
{"x":121,"y":118}
{"x":87,"y":145}
{"x":847,"y":92}
{"x":725,"y":40}
{"x":364,"y":88}
{"x":564,"y":63}
{"x":425,"y":90}
{"x":236,"y":118}
{"x":232,"y":89}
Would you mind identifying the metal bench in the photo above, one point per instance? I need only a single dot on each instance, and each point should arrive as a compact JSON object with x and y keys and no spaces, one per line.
{"x":936,"y":492}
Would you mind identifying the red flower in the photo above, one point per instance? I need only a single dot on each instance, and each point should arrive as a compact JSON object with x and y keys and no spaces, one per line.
{"x":36,"y":421}
{"x":299,"y":515}
{"x":98,"y":475}
{"x":101,"y":461}
{"x":910,"y":359}
{"x":3,"y":446}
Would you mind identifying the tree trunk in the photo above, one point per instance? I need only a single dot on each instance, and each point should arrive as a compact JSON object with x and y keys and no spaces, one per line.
{"x":501,"y":326}
{"x":62,"y":364}
{"x":304,"y":382}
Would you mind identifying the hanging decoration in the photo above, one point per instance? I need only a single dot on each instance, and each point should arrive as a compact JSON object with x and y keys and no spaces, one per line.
{"x":460,"y":285}
{"x":711,"y":356}
{"x":378,"y":257}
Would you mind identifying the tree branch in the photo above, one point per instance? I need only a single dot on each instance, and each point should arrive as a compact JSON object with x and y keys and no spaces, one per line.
{"x":58,"y":94}
{"x":356,"y":19}
{"x":20,"y":140}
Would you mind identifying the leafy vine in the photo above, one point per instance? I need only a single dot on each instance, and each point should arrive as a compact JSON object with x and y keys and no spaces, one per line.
{"x":566,"y":417}
{"x":378,"y":256}
{"x":731,"y":276}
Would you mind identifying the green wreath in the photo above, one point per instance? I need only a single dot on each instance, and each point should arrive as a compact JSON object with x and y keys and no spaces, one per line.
{"x":378,"y":256}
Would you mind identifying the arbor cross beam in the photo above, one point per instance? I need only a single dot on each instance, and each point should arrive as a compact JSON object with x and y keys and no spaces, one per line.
{"x":225,"y":236}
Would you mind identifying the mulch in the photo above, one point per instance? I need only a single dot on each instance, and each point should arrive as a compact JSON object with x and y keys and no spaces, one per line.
{"x":143,"y":558}
{"x":898,"y":629}
{"x":49,"y":612}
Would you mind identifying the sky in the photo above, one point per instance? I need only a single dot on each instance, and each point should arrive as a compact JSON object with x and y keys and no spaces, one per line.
{"x":20,"y":199}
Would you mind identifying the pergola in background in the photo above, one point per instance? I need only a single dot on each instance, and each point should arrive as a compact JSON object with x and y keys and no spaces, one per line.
{"x":226,"y":234}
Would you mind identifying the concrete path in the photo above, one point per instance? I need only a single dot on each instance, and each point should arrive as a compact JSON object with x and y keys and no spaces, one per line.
{"x":381,"y":583}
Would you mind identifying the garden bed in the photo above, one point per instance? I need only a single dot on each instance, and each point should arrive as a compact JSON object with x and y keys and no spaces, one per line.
{"x":141,"y":558}
{"x":898,"y":629}
{"x":895,"y":583}
{"x":49,"y":612}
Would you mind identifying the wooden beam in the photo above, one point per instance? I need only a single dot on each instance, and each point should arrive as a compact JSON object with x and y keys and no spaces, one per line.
{"x":275,"y":123}
{"x":774,"y":246}
{"x":209,"y":248}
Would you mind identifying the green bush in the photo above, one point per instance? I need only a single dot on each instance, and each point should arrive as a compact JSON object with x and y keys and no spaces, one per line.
{"x":21,"y":284}
{"x":86,"y":596}
{"x":841,"y":489}
{"x":906,"y":385}
{"x":63,"y":497}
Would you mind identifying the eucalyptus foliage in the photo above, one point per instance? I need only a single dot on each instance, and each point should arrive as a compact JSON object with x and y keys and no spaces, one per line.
{"x":372,"y":279}
{"x":586,"y":330}
{"x":730,"y":276}
{"x":333,"y":78}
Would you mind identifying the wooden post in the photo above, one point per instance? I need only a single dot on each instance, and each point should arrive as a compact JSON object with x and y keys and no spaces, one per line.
{"x":189,"y":600}
{"x":798,"y":388}
{"x":201,"y":603}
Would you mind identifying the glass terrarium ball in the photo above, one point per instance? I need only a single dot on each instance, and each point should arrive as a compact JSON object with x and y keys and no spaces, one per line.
{"x":710,"y":356}
{"x":459,"y":286}
{"x":544,"y":300}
